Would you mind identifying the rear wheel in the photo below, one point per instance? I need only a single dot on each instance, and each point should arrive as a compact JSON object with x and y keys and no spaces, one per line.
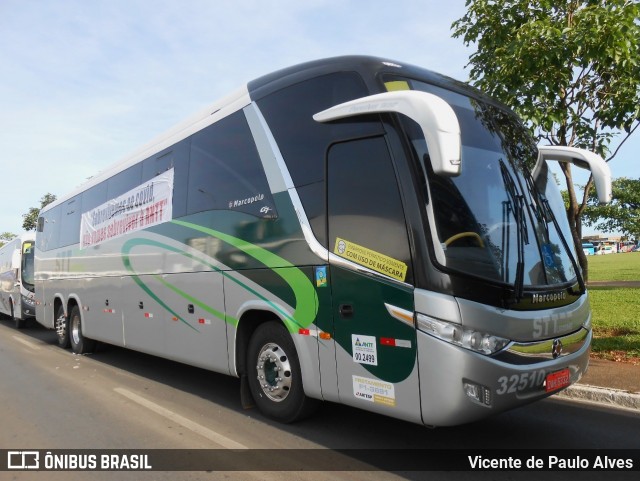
{"x":79,"y":343}
{"x":274,"y":374}
{"x":61,"y":325}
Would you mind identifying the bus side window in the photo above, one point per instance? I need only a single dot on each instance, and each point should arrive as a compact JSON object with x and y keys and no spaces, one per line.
{"x":70,"y":222}
{"x":225,"y":171}
{"x":124,"y":181}
{"x":175,"y":157}
{"x":50,"y":230}
{"x":364,"y":204}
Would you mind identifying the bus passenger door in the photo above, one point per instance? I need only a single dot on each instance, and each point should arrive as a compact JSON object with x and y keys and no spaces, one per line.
{"x":371,"y":279}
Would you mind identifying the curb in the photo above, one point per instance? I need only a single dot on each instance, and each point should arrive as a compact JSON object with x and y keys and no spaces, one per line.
{"x":600,"y":395}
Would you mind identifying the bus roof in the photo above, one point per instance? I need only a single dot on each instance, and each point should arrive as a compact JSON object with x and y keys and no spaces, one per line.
{"x":369,"y":67}
{"x":211,"y":113}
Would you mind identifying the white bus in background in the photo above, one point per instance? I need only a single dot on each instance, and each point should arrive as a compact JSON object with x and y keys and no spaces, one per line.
{"x":16,"y":279}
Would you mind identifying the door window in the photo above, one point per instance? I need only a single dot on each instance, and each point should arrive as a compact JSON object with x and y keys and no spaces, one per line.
{"x":366,"y":217}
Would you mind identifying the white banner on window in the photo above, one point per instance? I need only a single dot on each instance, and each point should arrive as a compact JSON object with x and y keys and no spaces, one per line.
{"x":147,"y":205}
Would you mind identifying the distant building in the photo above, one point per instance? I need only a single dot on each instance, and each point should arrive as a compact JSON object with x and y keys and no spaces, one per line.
{"x":604,"y":244}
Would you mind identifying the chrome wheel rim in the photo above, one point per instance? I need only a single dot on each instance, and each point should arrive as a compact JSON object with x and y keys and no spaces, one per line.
{"x":75,"y":329}
{"x":274,"y":372}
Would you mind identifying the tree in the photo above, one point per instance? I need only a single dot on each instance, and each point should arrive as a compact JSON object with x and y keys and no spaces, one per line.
{"x":622,"y":214}
{"x":30,"y":219}
{"x":6,"y":237}
{"x":571,"y":69}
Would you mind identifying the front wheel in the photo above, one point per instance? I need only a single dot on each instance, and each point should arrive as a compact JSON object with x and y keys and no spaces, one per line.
{"x":79,"y":343}
{"x":17,"y":322}
{"x":274,"y":374}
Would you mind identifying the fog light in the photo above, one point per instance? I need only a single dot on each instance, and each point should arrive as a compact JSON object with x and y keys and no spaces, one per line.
{"x":477,"y":392}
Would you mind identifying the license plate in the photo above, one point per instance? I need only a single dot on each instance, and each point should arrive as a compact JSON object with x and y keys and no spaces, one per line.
{"x":557,"y":380}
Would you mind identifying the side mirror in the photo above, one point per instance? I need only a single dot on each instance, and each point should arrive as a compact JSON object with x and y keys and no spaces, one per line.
{"x":580,"y":158}
{"x":436,"y":119}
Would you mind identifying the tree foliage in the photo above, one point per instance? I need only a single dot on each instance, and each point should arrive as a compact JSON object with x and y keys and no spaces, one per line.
{"x":570,"y":68}
{"x":30,"y":219}
{"x":6,"y":237}
{"x":622,"y":214}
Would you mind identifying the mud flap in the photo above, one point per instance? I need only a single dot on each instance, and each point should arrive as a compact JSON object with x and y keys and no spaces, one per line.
{"x":246,"y":399}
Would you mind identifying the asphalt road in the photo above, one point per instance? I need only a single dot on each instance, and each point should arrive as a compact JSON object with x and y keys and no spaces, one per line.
{"x":116,"y":398}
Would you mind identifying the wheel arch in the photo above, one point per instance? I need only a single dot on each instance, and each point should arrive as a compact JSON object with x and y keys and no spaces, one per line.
{"x":58,"y":301}
{"x":306,"y":349}
{"x":247,"y":325}
{"x":73,"y":301}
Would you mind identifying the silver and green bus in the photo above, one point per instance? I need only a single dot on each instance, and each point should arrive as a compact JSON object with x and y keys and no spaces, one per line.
{"x":352,"y":230}
{"x":17,"y":279}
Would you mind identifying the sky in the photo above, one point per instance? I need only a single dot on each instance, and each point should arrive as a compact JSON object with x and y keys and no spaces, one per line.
{"x":85,"y":83}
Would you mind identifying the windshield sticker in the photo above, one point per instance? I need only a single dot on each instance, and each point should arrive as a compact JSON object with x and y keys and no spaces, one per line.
{"x":373,"y":390}
{"x":396,"y":85}
{"x":547,"y":254}
{"x":147,"y":205}
{"x":373,"y":260}
{"x":364,"y":349}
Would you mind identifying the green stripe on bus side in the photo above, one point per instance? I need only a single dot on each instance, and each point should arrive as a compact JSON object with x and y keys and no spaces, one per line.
{"x":197,"y":302}
{"x":304,"y":291}
{"x":126,"y":248}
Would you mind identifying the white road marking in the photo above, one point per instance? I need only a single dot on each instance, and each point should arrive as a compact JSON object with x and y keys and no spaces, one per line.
{"x":30,"y":344}
{"x":176,"y":418}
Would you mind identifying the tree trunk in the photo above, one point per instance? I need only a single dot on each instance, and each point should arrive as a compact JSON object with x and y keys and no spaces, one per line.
{"x":575,"y":222}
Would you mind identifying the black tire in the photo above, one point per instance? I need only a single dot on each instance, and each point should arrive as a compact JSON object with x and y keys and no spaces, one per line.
{"x":79,"y":343}
{"x":278,"y":393}
{"x":61,"y":326}
{"x":19,"y":323}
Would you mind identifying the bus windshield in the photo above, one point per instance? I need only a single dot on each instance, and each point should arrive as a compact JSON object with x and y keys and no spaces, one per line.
{"x":493,"y":221}
{"x":27,"y":266}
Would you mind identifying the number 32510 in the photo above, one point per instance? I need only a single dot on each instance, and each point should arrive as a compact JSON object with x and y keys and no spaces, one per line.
{"x":520,"y":382}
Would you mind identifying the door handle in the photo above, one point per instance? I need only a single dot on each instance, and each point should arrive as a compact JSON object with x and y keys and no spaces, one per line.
{"x":345,"y":310}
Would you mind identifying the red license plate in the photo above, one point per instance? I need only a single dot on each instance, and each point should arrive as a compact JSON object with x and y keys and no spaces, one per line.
{"x":557,"y":380}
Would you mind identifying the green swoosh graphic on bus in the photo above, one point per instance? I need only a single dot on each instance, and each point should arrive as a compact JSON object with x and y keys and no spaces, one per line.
{"x":306,"y":298}
{"x":130,"y":244}
{"x":305,"y":294}
{"x":126,"y":249}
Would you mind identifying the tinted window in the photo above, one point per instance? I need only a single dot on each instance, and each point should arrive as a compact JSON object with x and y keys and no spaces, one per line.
{"x":124,"y":181}
{"x":176,"y":157}
{"x":156,"y":165}
{"x":95,"y":196}
{"x":225,"y":171}
{"x":51,"y":228}
{"x":70,"y":222}
{"x":303,"y":142}
{"x":366,"y":217}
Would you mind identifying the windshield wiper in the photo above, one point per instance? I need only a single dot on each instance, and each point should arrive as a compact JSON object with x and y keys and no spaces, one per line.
{"x":516,"y":204}
{"x":548,"y":212}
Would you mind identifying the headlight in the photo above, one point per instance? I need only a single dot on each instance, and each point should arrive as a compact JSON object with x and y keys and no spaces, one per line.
{"x":477,"y":341}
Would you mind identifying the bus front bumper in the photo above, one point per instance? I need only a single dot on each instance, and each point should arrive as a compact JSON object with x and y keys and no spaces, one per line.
{"x":458,"y":386}
{"x":28,"y":307}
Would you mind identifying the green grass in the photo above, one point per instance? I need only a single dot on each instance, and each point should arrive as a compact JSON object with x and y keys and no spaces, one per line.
{"x":616,"y":310}
{"x":615,"y":267}
{"x":616,"y":322}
